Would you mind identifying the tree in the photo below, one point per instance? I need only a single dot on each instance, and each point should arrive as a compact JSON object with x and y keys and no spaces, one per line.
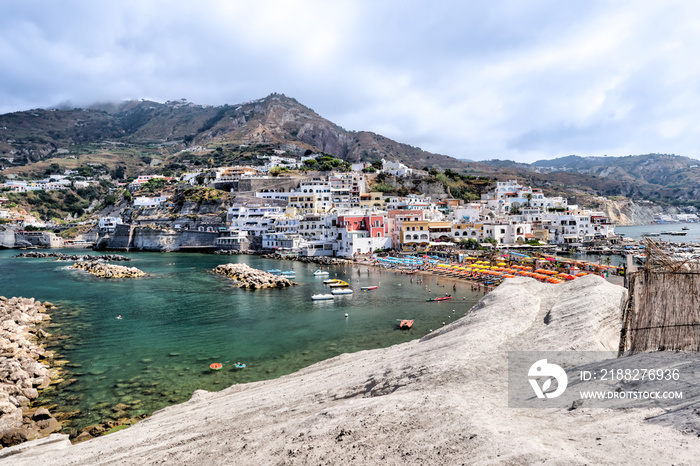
{"x":378,"y":165}
{"x":275,"y":171}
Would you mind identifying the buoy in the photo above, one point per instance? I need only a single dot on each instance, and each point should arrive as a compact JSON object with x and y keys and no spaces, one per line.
{"x":346,"y":314}
{"x":216,"y":366}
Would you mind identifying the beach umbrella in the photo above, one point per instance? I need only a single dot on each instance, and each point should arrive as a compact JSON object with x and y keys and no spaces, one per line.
{"x":581,"y":274}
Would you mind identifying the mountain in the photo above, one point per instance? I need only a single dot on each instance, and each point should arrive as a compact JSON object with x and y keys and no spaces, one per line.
{"x":276,"y":121}
{"x":651,"y":176}
{"x":136,"y":137}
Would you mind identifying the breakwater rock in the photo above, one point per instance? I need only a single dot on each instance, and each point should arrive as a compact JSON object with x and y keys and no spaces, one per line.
{"x":322,"y":260}
{"x":103,"y":270}
{"x":24,"y":370}
{"x":248,"y":277}
{"x":234,"y":252}
{"x":75,"y":257}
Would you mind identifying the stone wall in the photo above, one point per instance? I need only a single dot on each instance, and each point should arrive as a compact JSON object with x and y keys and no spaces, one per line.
{"x":148,"y":238}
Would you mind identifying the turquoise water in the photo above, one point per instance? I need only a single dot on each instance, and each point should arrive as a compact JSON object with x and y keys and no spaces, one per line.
{"x":635,"y":231}
{"x":180,"y":319}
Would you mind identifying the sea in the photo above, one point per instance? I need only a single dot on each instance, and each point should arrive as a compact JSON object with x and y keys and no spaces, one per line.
{"x":637,"y":232}
{"x":132,"y":346}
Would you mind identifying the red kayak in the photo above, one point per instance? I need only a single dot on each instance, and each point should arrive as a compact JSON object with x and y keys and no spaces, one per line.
{"x":441,"y":298}
{"x":366,"y":288}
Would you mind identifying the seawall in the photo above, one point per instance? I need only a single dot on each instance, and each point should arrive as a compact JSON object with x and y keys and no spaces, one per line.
{"x":147,"y":238}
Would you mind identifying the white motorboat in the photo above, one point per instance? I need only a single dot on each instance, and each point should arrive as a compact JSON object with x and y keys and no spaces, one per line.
{"x":320,"y":273}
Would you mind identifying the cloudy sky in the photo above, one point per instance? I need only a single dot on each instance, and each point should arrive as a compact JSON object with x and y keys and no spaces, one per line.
{"x":522,"y":80}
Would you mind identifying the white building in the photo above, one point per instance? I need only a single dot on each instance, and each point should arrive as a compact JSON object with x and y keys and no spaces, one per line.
{"x":508,"y":233}
{"x":395,"y":168}
{"x":108,"y":224}
{"x":254,"y":220}
{"x":143,"y":201}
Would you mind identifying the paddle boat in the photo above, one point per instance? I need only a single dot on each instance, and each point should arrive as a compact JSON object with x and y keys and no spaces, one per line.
{"x":440,"y":298}
{"x":288,"y":274}
{"x":367,"y":288}
{"x":406,"y":324}
{"x":321,"y":297}
{"x":342,"y":291}
{"x":274,"y":271}
{"x":339,"y":284}
{"x":330,"y":280}
{"x":320,"y":273}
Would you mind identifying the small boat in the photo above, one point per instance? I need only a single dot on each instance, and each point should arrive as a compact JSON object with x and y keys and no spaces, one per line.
{"x":321,"y":297}
{"x":320,"y":273}
{"x":685,"y":228}
{"x":330,"y":280}
{"x":339,"y":284}
{"x":367,"y":288}
{"x":342,"y":291}
{"x":288,"y":274}
{"x":440,"y":298}
{"x":406,"y":324}
{"x":274,"y":271}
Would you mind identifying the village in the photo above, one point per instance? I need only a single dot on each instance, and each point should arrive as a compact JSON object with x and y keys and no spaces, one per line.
{"x":335,"y":214}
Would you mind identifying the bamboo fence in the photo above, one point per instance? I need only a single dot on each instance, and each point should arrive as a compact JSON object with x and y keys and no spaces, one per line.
{"x":663,"y":312}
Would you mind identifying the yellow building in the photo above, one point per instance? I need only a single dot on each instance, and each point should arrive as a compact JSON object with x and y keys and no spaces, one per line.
{"x":373,"y":200}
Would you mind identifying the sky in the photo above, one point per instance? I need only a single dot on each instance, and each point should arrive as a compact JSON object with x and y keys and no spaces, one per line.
{"x":491,"y":79}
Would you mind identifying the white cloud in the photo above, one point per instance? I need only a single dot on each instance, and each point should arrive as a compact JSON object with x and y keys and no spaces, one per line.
{"x":506,"y":79}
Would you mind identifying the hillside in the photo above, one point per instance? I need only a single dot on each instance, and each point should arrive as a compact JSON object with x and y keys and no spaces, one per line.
{"x":659,"y":177}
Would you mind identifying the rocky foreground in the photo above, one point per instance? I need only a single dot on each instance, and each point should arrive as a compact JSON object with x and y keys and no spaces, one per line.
{"x":74,"y":257}
{"x":24,"y":369}
{"x":250,"y":278}
{"x":441,"y":400}
{"x":100,"y":269}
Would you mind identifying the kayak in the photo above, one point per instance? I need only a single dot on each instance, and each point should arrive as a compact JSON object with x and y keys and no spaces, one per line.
{"x":440,"y":298}
{"x":367,"y":288}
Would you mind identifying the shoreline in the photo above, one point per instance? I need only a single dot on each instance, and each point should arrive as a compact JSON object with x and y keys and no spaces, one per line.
{"x":28,"y":369}
{"x":105,"y":424}
{"x":438,"y":400}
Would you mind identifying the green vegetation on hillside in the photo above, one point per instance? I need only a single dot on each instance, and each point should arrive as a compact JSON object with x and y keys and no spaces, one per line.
{"x":61,"y":204}
{"x":465,"y":187}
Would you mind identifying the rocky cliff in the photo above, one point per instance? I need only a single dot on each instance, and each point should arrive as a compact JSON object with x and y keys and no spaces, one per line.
{"x":630,"y":212}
